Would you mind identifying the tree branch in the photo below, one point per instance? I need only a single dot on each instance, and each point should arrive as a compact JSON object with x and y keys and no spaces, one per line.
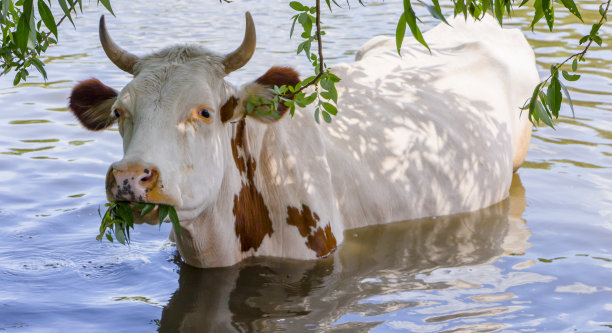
{"x":603,"y":17}
{"x":72,"y":7}
{"x":320,"y":46}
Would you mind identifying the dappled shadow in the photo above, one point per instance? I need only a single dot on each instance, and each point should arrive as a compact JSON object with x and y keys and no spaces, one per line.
{"x":267,"y":294}
{"x":428,"y":135}
{"x":407,"y":137}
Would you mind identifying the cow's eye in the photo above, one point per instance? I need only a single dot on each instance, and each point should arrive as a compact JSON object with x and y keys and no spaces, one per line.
{"x":116,"y":113}
{"x":204,"y":113}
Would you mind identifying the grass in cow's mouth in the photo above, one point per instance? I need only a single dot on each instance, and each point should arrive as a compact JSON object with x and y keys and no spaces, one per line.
{"x":119,"y":218}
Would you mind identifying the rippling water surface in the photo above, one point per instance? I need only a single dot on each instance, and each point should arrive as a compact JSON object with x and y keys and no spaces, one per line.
{"x":539,"y":261}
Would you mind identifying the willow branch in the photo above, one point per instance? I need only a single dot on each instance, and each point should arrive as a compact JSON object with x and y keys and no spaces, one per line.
{"x":320,"y":46}
{"x":72,"y":8}
{"x":603,"y":17}
{"x":582,"y":53}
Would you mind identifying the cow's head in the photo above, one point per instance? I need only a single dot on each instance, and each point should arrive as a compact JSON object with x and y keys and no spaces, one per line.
{"x":173,"y":119}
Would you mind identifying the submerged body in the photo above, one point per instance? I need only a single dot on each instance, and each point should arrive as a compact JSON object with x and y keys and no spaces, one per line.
{"x":418,"y":135}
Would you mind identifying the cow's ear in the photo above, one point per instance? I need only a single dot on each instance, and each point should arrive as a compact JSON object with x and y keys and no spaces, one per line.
{"x":236,"y":106}
{"x":91,"y":103}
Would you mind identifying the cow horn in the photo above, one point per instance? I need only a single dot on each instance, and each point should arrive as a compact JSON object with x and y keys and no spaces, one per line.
{"x":120,"y":57}
{"x":245,"y":51}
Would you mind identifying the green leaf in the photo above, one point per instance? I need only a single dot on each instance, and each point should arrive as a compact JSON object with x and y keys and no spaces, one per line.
{"x":575,"y":64}
{"x":474,"y":10}
{"x":543,"y":97}
{"x":40,"y":67}
{"x":66,"y":10}
{"x":139,"y":206}
{"x":328,"y":4}
{"x":411,"y":19}
{"x":120,"y":235}
{"x":542,"y":114}
{"x":485,"y":5}
{"x":146,"y":209}
{"x":539,"y":13}
{"x":330,"y":108}
{"x":125,"y":212}
{"x":466,"y":8}
{"x":306,"y":23}
{"x":549,"y":14}
{"x":333,"y":77}
{"x":316,"y":115}
{"x":553,"y":96}
{"x":595,"y":29}
{"x":295,"y":17}
{"x":569,"y":99}
{"x":508,"y":7}
{"x":17,"y":78}
{"x":435,"y":10}
{"x":22,"y":33}
{"x":326,"y":117}
{"x":175,"y":220}
{"x":163,"y":213}
{"x":459,"y":5}
{"x":499,"y":11}
{"x":109,"y":237}
{"x":299,"y":7}
{"x":400,"y":32}
{"x":300,"y":47}
{"x":311,"y":98}
{"x":534,"y":98}
{"x":4,"y":10}
{"x":571,"y":6}
{"x":107,"y":5}
{"x":47,"y":17}
{"x":570,"y":77}
{"x":597,"y":40}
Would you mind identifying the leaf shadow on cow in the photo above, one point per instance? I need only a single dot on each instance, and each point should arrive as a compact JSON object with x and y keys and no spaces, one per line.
{"x":268,"y":294}
{"x":438,"y":161}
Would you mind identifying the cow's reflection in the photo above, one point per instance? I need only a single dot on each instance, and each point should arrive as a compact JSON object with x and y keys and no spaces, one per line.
{"x":268,"y":294}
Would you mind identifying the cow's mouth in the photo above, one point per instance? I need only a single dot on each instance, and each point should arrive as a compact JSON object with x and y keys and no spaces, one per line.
{"x":150,"y":217}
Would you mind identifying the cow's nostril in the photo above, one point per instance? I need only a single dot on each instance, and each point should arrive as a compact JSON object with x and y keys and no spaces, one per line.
{"x":148,"y":178}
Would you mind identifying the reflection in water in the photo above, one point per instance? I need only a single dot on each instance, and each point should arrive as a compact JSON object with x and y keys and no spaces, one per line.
{"x":368,"y":276}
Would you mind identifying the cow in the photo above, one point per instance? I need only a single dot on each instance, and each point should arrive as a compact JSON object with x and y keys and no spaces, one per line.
{"x":416,"y":135}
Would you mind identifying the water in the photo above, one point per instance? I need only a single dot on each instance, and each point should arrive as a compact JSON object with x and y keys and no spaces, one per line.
{"x":539,"y":261}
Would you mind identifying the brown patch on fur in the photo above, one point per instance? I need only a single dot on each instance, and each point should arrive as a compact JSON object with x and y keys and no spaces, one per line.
{"x":278,"y":76}
{"x":321,"y":241}
{"x":238,"y":146}
{"x":253,"y":221}
{"x":227,"y":110}
{"x":90,"y":102}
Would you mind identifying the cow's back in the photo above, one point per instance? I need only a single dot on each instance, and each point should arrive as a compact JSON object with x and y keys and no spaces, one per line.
{"x":426,"y":135}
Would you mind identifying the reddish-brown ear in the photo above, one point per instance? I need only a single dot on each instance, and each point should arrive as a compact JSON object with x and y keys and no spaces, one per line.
{"x":235,"y":107}
{"x":279,"y":76}
{"x":90,"y":101}
{"x":227,"y":110}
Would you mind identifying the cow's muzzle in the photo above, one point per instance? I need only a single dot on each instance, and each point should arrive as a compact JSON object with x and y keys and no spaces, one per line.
{"x":135,"y":182}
